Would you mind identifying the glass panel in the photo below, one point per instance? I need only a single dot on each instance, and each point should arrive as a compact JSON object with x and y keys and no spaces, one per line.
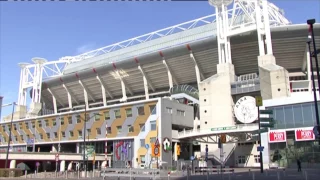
{"x":297,"y":115}
{"x":117,"y":113}
{"x":153,"y":125}
{"x":129,"y":112}
{"x":141,"y":111}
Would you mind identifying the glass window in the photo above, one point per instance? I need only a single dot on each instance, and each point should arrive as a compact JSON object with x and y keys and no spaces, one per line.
{"x":130,"y":128}
{"x":142,"y":142}
{"x":297,"y":115}
{"x":15,"y":127}
{"x":241,"y":159}
{"x":63,"y":134}
{"x":257,"y":158}
{"x":88,"y":132}
{"x":54,"y":122}
{"x":169,"y":110}
{"x":129,"y":112}
{"x":48,"y":135}
{"x":88,"y":118}
{"x":80,"y":132}
{"x":21,"y":137}
{"x":141,"y":110}
{"x":97,"y":117}
{"x":39,"y":124}
{"x":62,"y":121}
{"x":288,"y":115}
{"x":98,"y":131}
{"x":119,"y":129}
{"x":47,"y":122}
{"x":71,"y":133}
{"x":78,"y":119}
{"x":143,"y":159}
{"x":142,"y":127}
{"x":106,"y":115}
{"x":117,"y":113}
{"x":109,"y":130}
{"x":33,"y":124}
{"x":41,"y":136}
{"x":70,"y":119}
{"x":55,"y":135}
{"x":153,"y":109}
{"x":180,"y":112}
{"x":153,"y":125}
{"x":307,"y":113}
{"x":153,"y":139}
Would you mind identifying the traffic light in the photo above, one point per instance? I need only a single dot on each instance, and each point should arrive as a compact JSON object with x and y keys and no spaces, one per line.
{"x":223,"y":138}
{"x":266,"y":122}
{"x":178,"y":150}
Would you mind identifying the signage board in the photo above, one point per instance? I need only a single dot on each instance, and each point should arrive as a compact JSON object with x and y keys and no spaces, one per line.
{"x":277,"y":136}
{"x":146,"y":146}
{"x":246,"y":110}
{"x":224,"y":128}
{"x":304,"y":134}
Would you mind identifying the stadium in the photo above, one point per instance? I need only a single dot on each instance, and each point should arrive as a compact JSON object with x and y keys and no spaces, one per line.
{"x":186,"y":92}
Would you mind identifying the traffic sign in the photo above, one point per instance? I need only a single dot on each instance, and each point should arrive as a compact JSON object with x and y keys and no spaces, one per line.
{"x":157,"y":142}
{"x":259,"y":101}
{"x":37,"y":164}
{"x":260,"y":148}
{"x":155,"y":150}
{"x":191,"y":158}
{"x":146,"y":146}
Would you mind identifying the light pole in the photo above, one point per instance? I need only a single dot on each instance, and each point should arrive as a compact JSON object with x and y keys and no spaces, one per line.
{"x":311,"y":36}
{"x":10,"y":128}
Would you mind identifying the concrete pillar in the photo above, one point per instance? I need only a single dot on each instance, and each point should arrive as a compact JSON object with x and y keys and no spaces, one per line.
{"x":62,"y":165}
{"x":175,"y":155}
{"x":20,"y":112}
{"x":266,"y":150}
{"x":13,"y":164}
{"x":216,"y":100}
{"x":274,"y":79}
{"x":190,"y":150}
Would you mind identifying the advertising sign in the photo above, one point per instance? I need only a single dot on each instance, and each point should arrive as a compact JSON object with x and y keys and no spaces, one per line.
{"x":304,"y":134}
{"x":277,"y":136}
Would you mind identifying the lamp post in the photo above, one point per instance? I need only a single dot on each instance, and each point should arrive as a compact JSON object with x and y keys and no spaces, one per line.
{"x":84,"y":137}
{"x":10,"y":128}
{"x":311,"y":36}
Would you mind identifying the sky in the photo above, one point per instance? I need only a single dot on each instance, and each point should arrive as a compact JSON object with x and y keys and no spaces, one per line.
{"x":52,"y":30}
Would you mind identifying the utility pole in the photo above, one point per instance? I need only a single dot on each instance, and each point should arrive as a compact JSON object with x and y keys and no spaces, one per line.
{"x":9,"y":139}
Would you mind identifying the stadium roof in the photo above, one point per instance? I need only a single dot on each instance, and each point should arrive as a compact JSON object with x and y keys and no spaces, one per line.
{"x":289,"y":47}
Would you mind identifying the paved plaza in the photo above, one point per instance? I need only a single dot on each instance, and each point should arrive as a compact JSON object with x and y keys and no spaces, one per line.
{"x":240,"y":174}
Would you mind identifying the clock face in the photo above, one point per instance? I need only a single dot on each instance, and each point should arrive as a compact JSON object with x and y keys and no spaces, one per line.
{"x":245,"y":110}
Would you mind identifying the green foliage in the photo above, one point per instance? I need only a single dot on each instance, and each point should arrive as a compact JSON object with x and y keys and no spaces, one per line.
{"x":6,"y":172}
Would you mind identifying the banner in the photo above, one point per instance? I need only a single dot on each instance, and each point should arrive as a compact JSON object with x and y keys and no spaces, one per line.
{"x":304,"y":134}
{"x":277,"y":136}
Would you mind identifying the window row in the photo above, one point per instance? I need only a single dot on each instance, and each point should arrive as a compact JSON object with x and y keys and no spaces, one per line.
{"x":179,"y":112}
{"x":153,"y":127}
{"x":143,"y":141}
{"x":117,"y":114}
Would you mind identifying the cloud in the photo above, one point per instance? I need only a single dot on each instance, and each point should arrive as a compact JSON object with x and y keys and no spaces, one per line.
{"x":86,"y":48}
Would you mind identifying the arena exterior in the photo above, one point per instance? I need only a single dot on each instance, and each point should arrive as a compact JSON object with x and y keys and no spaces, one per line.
{"x":165,"y":96}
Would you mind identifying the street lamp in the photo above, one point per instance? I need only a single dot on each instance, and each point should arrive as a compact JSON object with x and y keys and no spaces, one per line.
{"x":10,"y":128}
{"x":84,"y":135}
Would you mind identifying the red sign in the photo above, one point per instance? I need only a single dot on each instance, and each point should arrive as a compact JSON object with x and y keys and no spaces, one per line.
{"x":277,"y":136}
{"x":304,"y":134}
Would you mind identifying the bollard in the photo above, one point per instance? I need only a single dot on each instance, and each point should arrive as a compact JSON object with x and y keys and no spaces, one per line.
{"x":207,"y":174}
{"x":253,"y":176}
{"x":25,"y":173}
{"x":266,"y":172}
{"x":284,"y":172}
{"x":306,"y":175}
{"x":66,"y":174}
{"x":187,"y":174}
{"x":78,"y":174}
{"x":278,"y":175}
{"x":168,"y":175}
{"x":249,"y":172}
{"x":229,"y":177}
{"x":118,"y":178}
{"x":35,"y":173}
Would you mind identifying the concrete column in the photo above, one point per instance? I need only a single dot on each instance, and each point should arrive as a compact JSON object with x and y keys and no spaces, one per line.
{"x":13,"y":164}
{"x":266,"y":150}
{"x":274,"y":79}
{"x":62,"y":165}
{"x":190,"y":150}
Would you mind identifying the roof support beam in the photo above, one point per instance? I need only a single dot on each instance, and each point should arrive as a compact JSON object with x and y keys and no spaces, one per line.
{"x":304,"y":60}
{"x":146,"y":81}
{"x":70,"y":96}
{"x":124,"y":86}
{"x":199,"y":73}
{"x":54,"y":100}
{"x":104,"y":89}
{"x":171,"y":77}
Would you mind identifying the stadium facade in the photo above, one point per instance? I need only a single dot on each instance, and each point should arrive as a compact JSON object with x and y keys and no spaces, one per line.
{"x":170,"y":95}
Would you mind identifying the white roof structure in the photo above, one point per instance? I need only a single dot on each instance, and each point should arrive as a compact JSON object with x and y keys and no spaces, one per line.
{"x":150,"y":59}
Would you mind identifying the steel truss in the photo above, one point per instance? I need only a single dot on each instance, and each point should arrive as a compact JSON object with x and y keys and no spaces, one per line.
{"x":237,"y":137}
{"x":243,"y":17}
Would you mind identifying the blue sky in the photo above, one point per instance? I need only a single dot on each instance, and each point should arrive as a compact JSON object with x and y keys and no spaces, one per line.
{"x":55,"y":29}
